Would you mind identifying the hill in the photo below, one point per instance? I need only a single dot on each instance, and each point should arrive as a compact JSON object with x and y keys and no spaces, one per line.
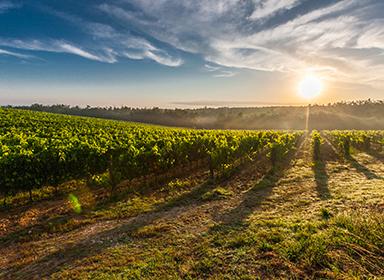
{"x":362,"y":114}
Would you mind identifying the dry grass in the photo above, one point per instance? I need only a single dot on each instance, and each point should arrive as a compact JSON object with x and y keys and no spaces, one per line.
{"x":302,"y":220}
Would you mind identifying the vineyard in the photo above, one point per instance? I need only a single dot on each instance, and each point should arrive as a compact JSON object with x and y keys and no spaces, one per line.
{"x":39,"y":149}
{"x":87,"y":198}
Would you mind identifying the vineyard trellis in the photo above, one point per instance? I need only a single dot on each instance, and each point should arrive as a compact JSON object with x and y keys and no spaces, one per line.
{"x":39,"y":149}
{"x":358,"y":139}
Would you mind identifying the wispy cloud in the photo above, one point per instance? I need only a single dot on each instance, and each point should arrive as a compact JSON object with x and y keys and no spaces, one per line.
{"x":211,"y":68}
{"x":225,"y":74}
{"x":65,"y":47}
{"x":123,"y":43}
{"x":101,"y":42}
{"x":219,"y":71}
{"x":269,"y":35}
{"x":134,"y":48}
{"x":19,"y":55}
{"x":340,"y":39}
{"x":6,"y":5}
{"x":265,"y":9}
{"x":57,"y":46}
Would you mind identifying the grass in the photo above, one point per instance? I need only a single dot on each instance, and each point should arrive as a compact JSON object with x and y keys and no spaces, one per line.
{"x":302,"y":220}
{"x":41,"y":194}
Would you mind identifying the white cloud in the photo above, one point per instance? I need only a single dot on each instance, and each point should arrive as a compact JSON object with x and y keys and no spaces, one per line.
{"x":101,"y":42}
{"x":340,"y":40}
{"x":268,"y":8}
{"x":162,"y":59}
{"x":19,"y":55}
{"x":236,"y":33}
{"x":111,"y":44}
{"x":225,"y":74}
{"x":65,"y":47}
{"x":211,"y":68}
{"x":116,"y":46}
{"x":374,"y":35}
{"x":57,"y":46}
{"x":218,"y":71}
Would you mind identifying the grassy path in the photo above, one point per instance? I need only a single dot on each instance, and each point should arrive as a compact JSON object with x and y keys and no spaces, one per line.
{"x":305,"y":220}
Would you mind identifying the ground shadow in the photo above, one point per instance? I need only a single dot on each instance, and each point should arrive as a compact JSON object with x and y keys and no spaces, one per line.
{"x":251,"y":200}
{"x":319,"y":168}
{"x":132,"y":229}
{"x":253,"y":197}
{"x":93,"y":243}
{"x":329,"y":152}
{"x":362,"y":169}
{"x":354,"y":163}
{"x":150,"y":183}
{"x":127,"y":231}
{"x":195,"y":196}
{"x":321,"y":179}
{"x":376,"y":154}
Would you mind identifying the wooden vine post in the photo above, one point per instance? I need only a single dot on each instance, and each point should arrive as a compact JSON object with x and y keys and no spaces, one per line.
{"x":347,"y":144}
{"x":367,"y":142}
{"x":112,"y":177}
{"x":210,"y":162}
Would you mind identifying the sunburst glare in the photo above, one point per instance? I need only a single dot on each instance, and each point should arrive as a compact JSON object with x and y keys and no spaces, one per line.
{"x":310,"y":87}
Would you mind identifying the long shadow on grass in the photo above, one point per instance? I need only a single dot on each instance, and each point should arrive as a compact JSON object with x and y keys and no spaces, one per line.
{"x":129,"y":231}
{"x":376,"y":154}
{"x":362,"y":169}
{"x":196,"y":196}
{"x":142,"y":227}
{"x":329,"y":152}
{"x":252,"y":199}
{"x":355,"y":164}
{"x":321,"y":179}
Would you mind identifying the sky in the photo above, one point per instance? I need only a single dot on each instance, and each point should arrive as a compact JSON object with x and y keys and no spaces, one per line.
{"x":189,"y":53}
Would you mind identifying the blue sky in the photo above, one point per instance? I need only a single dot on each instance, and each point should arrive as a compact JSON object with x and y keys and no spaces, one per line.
{"x":182,"y":53}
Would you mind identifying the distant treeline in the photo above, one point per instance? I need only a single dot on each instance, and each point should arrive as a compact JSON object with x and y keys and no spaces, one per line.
{"x":362,"y":114}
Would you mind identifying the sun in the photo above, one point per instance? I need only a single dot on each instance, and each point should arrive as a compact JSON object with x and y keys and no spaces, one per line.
{"x":310,"y":87}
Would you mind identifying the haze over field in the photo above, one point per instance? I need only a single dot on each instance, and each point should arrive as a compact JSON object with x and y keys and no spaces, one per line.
{"x":188,"y":54}
{"x":361,"y":114}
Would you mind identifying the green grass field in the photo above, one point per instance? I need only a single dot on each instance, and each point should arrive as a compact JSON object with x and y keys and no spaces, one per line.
{"x":302,"y":220}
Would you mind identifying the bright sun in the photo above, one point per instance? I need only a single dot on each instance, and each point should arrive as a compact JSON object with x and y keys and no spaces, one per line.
{"x":310,"y":87}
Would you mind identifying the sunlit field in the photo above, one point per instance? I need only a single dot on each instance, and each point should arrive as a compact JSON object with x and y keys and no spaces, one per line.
{"x":249,"y":205}
{"x":211,"y":139}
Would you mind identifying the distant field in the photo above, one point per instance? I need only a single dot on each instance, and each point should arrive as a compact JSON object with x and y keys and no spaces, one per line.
{"x":359,"y":114}
{"x":187,"y":204}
